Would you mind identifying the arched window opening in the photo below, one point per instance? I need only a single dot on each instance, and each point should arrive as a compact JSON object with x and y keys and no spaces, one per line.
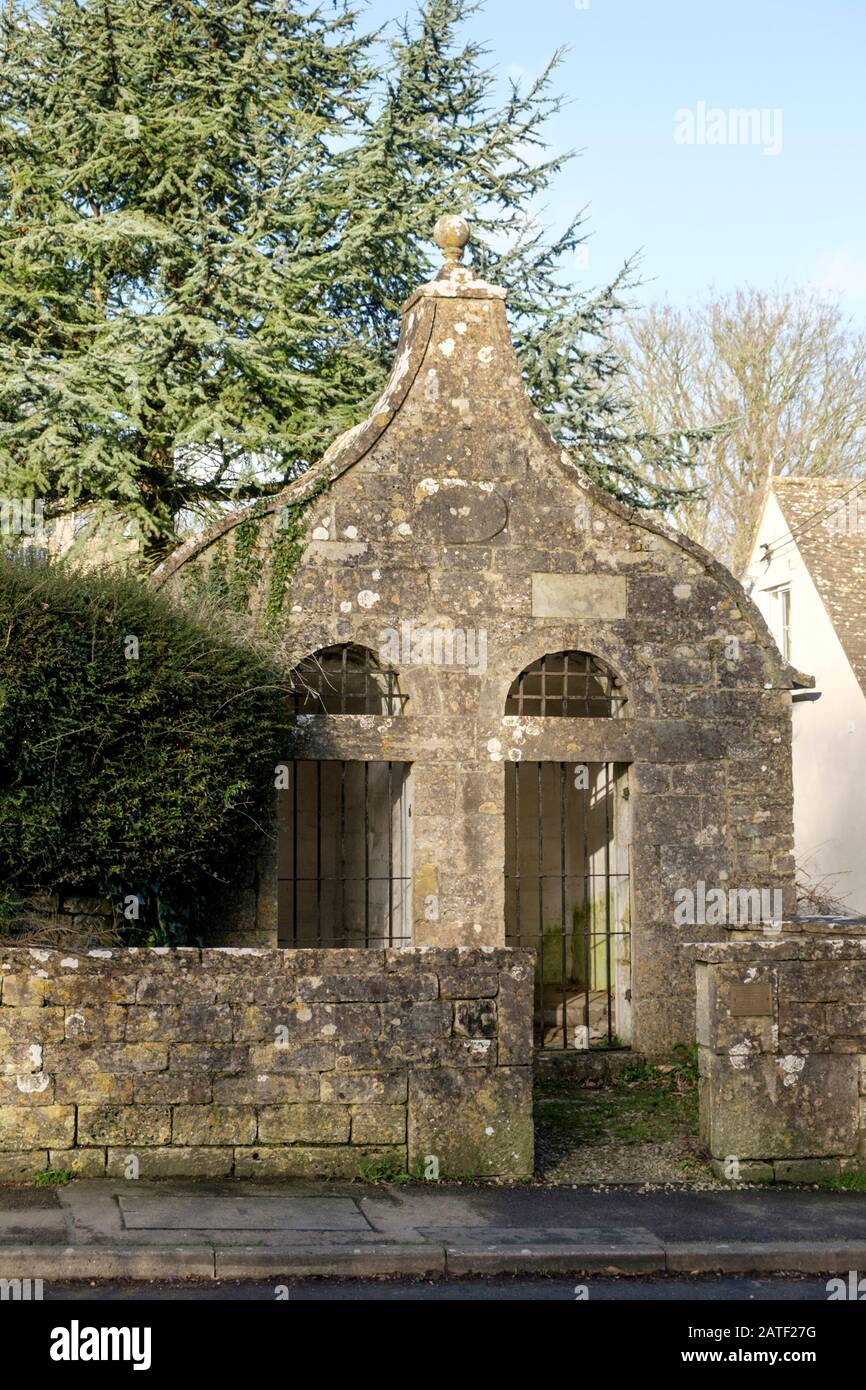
{"x":345,"y":679}
{"x":567,"y":685}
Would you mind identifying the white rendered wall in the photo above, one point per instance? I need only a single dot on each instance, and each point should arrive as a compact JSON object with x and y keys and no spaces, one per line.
{"x":829,"y":734}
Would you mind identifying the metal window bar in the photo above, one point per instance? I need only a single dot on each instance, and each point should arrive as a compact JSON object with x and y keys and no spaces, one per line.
{"x":390,"y":811}
{"x":607,"y":834}
{"x":567,"y":685}
{"x":540,"y":822}
{"x":345,"y":679}
{"x":587,"y":919}
{"x":586,"y":895}
{"x":562,"y":896}
{"x":343,"y":845}
{"x":294,"y":777}
{"x":367,"y":854}
{"x":318,"y":855}
{"x":349,"y":886}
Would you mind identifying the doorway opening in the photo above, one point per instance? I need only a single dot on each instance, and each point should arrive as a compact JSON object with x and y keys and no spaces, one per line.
{"x":344,"y":873}
{"x":344,"y":844}
{"x":566,"y":895}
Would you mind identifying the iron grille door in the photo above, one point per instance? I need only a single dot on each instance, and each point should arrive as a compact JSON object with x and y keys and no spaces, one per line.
{"x":566,"y":882}
{"x":343,"y":861}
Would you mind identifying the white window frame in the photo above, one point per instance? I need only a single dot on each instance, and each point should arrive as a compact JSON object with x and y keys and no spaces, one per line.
{"x":779,"y":617}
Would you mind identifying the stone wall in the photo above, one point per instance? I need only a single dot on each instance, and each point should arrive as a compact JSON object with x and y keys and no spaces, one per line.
{"x":246,"y":917}
{"x":58,"y":916}
{"x":158,"y":1063}
{"x":781,"y":1026}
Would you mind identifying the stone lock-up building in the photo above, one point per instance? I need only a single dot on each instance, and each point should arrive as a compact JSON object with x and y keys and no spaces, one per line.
{"x":526,"y":716}
{"x":529,"y":725}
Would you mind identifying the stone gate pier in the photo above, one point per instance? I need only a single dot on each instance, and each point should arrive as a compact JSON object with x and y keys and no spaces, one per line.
{"x":781,"y":1030}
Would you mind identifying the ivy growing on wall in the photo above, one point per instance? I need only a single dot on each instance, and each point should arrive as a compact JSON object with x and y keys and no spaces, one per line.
{"x":246,"y":562}
{"x":287,"y":547}
{"x":233,"y":571}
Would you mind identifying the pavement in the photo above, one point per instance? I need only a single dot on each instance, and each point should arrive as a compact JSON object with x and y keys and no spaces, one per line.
{"x":92,"y":1230}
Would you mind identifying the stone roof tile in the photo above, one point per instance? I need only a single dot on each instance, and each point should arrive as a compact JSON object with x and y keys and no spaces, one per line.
{"x":827,"y":517}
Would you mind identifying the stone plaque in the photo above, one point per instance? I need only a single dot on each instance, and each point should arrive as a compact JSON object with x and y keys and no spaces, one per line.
{"x":598,"y":596}
{"x":466,"y":514}
{"x":751,"y":1001}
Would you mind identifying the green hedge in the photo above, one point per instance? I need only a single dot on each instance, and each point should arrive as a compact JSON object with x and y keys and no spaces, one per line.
{"x":148,"y":777}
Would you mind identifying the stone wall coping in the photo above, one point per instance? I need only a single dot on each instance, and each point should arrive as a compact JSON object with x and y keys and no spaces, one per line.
{"x":784,"y":946}
{"x":348,"y":957}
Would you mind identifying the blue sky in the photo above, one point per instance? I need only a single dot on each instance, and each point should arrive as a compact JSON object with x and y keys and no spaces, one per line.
{"x":703,"y":214}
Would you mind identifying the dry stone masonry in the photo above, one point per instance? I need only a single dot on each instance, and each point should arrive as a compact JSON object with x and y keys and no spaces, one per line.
{"x":782,"y":1038}
{"x":157,"y":1063}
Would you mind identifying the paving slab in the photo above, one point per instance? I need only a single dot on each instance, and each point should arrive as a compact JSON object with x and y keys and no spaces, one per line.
{"x":773,"y":1256}
{"x":35,"y":1225}
{"x":540,"y":1249}
{"x":276,"y":1240}
{"x":154,"y":1211}
{"x":482,"y":1236}
{"x":372,"y":1260}
{"x":104,"y":1262}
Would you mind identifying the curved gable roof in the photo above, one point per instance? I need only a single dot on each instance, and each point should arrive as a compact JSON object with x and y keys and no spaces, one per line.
{"x":455,"y":282}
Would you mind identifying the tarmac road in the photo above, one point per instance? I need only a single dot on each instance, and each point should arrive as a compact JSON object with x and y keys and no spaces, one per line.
{"x":552,"y":1290}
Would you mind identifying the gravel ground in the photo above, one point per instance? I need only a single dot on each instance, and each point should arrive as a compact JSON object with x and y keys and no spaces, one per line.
{"x":642,"y":1127}
{"x":670,"y":1160}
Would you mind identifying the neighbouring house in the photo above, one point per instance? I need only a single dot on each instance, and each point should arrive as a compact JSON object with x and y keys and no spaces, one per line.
{"x":807,"y":574}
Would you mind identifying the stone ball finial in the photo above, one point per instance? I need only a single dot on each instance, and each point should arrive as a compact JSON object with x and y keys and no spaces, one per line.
{"x":451,"y":235}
